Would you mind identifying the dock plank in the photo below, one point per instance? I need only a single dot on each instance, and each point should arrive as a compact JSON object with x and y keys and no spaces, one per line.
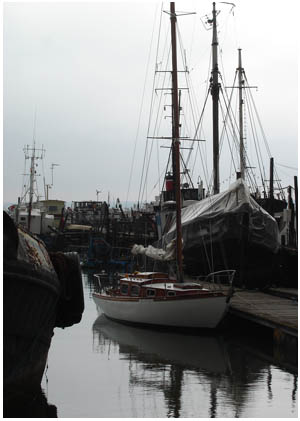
{"x":266,"y":309}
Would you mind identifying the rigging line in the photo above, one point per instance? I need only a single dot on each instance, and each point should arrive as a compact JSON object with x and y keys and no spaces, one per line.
{"x":23,"y":189}
{"x":199,"y":126}
{"x":256,"y":144}
{"x":193,"y":104}
{"x":285,"y":166}
{"x":254,"y":133}
{"x":208,"y":182}
{"x":155,"y":129}
{"x":158,"y":125}
{"x":225,"y":132}
{"x":235,"y":136}
{"x":141,"y":107}
{"x":266,"y":143}
{"x":43,"y":170}
{"x":195,"y":159}
{"x":258,"y":119}
{"x":230,"y":117}
{"x":190,"y":97}
{"x":162,"y":174}
{"x":151,"y":104}
{"x":225,"y":31}
{"x":265,"y":140}
{"x":192,"y":38}
{"x":157,"y":122}
{"x":186,"y":172}
{"x":251,"y":181}
{"x":195,"y":137}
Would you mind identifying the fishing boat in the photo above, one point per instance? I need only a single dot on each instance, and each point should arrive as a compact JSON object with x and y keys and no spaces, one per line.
{"x":155,"y":298}
{"x":41,"y":291}
{"x":40,"y":217}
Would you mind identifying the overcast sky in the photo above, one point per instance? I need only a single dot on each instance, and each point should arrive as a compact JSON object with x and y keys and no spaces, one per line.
{"x":81,"y":67}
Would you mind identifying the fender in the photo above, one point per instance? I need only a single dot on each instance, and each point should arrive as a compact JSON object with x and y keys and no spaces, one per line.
{"x":71,"y":301}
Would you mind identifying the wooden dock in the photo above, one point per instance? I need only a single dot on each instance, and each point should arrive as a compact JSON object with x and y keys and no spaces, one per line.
{"x":279,"y":313}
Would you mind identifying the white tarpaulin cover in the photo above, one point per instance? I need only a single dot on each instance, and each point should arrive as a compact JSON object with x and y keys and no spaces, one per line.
{"x":221,"y":216}
{"x":217,"y":218}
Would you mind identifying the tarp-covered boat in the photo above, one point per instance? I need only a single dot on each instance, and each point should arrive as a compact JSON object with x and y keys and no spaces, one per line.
{"x":229,"y":228}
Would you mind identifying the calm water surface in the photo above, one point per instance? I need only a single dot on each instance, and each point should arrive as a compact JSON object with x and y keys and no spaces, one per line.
{"x":101,"y":368}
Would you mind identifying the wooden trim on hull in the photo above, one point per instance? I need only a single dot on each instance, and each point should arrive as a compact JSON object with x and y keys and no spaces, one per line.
{"x":164,"y":298}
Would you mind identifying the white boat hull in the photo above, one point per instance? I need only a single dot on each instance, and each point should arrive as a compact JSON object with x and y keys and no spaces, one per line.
{"x":190,"y":313}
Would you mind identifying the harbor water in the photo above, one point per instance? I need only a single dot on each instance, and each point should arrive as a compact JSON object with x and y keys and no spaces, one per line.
{"x":104,"y":369}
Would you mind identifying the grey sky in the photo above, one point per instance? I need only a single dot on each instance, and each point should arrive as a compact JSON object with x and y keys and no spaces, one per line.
{"x":82,"y":66}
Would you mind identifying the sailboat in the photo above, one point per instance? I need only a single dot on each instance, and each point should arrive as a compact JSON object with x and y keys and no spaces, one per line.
{"x":155,"y":298}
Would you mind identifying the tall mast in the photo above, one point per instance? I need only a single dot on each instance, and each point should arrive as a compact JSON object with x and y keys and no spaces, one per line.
{"x":32,"y":175}
{"x":241,"y":114}
{"x":176,"y":143}
{"x":215,"y":88}
{"x":31,"y":182}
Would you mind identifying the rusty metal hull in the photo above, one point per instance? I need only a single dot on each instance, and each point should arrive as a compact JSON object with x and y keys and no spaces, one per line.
{"x":31,"y":291}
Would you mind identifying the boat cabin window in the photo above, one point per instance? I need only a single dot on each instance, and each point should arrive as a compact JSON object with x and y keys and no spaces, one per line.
{"x":135,"y":291}
{"x":171,"y":293}
{"x":150,"y":292}
{"x":124,"y":289}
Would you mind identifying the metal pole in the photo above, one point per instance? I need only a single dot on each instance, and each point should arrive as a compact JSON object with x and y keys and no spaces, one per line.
{"x":271,"y":193}
{"x":32,"y":177}
{"x":215,"y":88}
{"x":176,"y":143}
{"x":241,"y":103}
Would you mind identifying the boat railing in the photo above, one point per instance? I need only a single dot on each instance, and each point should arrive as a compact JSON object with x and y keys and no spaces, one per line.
{"x":103,"y":279}
{"x":221,"y":276}
{"x":218,"y":279}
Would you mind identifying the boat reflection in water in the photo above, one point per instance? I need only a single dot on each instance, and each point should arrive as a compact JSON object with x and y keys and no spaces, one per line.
{"x":214,"y":375}
{"x":30,"y":405}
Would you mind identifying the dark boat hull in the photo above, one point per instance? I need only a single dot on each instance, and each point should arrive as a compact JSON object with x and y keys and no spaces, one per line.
{"x":31,"y":291}
{"x":37,"y":297}
{"x":28,"y":330}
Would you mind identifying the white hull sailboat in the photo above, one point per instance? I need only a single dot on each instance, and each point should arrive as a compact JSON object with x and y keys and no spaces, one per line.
{"x":152,"y":298}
